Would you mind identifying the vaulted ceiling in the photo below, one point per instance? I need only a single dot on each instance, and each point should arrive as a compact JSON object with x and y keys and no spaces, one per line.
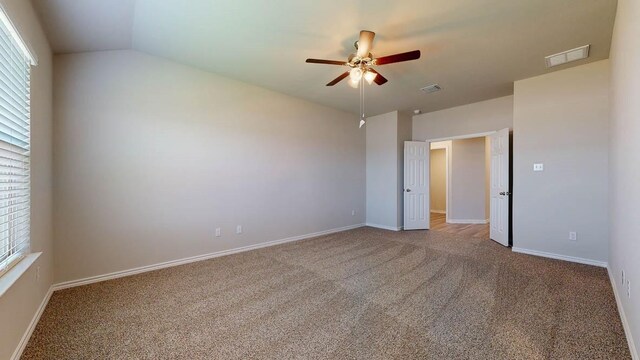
{"x":474,"y":49}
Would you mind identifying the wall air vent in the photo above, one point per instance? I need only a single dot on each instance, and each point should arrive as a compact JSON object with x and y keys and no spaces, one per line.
{"x":431,"y":88}
{"x":564,"y":57}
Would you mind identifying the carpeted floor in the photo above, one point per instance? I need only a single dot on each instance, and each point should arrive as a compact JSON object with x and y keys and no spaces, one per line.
{"x":361,"y":294}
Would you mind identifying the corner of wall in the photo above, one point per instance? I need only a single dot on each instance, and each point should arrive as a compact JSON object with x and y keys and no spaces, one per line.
{"x":24,"y":301}
{"x":623,"y":145}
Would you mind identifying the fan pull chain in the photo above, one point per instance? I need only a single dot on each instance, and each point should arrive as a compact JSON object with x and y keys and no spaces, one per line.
{"x":362,"y":119}
{"x":362,"y":97}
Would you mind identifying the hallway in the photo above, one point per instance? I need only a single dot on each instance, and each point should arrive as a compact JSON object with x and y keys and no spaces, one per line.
{"x":438,"y":223}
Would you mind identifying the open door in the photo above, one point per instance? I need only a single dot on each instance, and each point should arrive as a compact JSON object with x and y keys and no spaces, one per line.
{"x":416,"y":185}
{"x":500,"y":189}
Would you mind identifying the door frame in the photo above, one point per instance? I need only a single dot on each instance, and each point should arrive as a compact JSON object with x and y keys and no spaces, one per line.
{"x":460,"y":137}
{"x":448,"y":156}
{"x":447,"y":173}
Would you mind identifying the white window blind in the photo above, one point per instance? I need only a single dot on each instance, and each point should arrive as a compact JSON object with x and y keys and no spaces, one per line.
{"x":15,"y":67}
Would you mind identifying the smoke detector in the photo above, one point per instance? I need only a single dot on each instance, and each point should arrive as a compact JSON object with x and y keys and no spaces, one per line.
{"x":564,"y":57}
{"x":431,"y":88}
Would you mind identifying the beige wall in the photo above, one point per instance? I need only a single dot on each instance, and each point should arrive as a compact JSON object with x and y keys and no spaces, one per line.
{"x":624,"y":169}
{"x":386,"y":134}
{"x":152,"y":156}
{"x":561,"y":120}
{"x":19,"y":304}
{"x":467,"y":192}
{"x":481,"y":117}
{"x":382,"y":170}
{"x":438,"y":180}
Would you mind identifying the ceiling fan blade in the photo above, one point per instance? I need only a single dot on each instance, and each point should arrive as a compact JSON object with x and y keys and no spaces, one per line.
{"x":338,"y":79}
{"x":379,"y":79}
{"x":365,"y":42}
{"x":328,"y":62}
{"x":411,"y":55}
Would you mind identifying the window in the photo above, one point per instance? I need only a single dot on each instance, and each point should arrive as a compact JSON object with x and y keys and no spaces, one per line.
{"x":15,"y":68}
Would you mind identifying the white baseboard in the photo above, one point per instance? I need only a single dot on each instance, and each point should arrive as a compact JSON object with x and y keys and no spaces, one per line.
{"x":560,"y":257}
{"x":171,"y":263}
{"x":32,"y":326}
{"x":384,"y":227}
{"x":439,"y":211}
{"x":623,"y":317}
{"x":468,"y":221}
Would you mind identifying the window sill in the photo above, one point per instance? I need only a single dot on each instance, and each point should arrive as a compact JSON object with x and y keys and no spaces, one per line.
{"x":10,"y":277}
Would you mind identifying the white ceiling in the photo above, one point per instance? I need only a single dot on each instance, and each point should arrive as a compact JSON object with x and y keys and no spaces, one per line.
{"x":474,"y":49}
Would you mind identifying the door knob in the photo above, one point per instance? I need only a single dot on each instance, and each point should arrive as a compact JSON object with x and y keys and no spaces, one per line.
{"x":408,"y":190}
{"x":505,"y":193}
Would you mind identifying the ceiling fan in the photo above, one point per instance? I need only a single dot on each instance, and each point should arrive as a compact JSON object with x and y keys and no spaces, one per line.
{"x":362,"y":62}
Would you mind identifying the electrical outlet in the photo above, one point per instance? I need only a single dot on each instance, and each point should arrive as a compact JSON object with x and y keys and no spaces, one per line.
{"x":353,"y":213}
{"x":573,"y":236}
{"x":538,"y":167}
{"x":629,"y":289}
{"x":239,"y":229}
{"x":218,"y":232}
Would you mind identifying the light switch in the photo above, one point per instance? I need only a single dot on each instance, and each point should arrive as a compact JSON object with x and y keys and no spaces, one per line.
{"x":538,"y":167}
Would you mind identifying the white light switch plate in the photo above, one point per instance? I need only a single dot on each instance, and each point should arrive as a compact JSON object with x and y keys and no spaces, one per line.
{"x":538,"y":167}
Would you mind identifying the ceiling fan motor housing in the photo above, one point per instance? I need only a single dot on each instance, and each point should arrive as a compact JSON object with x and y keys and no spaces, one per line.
{"x":356,"y":61}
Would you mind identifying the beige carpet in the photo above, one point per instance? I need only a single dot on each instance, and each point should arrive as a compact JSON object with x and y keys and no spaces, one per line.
{"x":361,"y":294}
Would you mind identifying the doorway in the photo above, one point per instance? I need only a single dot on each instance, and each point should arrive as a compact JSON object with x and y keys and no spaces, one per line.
{"x":459,"y":186}
{"x":476,"y":185}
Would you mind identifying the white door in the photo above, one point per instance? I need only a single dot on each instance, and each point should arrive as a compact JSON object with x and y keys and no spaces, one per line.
{"x":500,"y":191}
{"x":416,"y":185}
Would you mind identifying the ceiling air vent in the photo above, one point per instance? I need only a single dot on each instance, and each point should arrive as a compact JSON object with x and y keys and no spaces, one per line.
{"x":431,"y":88}
{"x":567,"y":56}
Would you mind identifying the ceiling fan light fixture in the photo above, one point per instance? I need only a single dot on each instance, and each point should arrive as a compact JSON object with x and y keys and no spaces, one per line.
{"x":370,"y":76}
{"x":355,"y":74}
{"x":361,"y":66}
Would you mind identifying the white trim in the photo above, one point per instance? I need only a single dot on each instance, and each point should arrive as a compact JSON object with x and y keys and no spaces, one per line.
{"x":460,"y":137}
{"x":4,"y":18}
{"x":438,"y":211}
{"x":438,"y":145}
{"x":32,"y":326}
{"x":12,"y":275}
{"x":560,"y":257}
{"x":468,"y":221}
{"x":384,"y":227}
{"x":623,"y":317}
{"x":171,"y":263}
{"x":446,"y":145}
